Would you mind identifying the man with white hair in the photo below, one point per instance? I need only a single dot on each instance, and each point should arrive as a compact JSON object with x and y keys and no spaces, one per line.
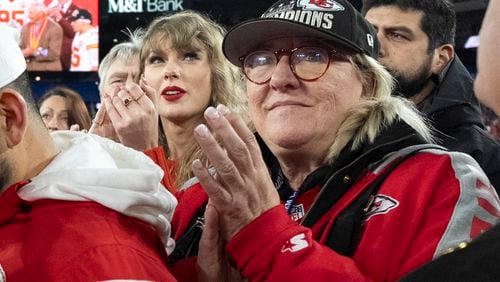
{"x":73,"y":206}
{"x":41,"y":40}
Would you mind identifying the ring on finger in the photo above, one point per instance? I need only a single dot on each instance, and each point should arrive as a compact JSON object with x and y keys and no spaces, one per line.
{"x":140,"y":96}
{"x":127,"y":101}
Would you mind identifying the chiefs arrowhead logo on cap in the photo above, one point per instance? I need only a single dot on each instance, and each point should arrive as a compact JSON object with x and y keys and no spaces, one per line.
{"x":320,"y":5}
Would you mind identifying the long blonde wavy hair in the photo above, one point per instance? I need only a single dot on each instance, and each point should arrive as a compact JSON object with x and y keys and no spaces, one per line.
{"x":190,"y":30}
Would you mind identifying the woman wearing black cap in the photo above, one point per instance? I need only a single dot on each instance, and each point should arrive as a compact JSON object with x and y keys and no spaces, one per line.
{"x":340,"y":182}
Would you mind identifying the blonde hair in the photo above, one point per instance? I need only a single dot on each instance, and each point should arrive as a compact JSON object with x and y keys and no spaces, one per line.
{"x":189,"y":30}
{"x":377,"y":110}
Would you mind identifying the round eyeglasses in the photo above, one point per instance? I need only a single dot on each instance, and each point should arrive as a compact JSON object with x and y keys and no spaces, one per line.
{"x":306,"y":63}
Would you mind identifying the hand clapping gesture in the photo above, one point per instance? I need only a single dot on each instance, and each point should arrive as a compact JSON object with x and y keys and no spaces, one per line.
{"x":242,"y":188}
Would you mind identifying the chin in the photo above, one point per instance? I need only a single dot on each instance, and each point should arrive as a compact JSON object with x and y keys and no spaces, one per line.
{"x":291,"y":139}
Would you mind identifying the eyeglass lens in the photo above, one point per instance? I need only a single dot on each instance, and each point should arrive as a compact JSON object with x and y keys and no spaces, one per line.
{"x":308,"y":63}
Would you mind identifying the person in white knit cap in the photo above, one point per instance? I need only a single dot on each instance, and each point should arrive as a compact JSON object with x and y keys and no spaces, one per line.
{"x":73,"y":206}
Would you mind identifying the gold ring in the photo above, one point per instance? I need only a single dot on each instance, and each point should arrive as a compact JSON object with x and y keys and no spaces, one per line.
{"x":140,"y":96}
{"x":127,"y":101}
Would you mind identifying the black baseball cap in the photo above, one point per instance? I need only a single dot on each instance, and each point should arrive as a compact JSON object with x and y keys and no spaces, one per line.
{"x":334,"y":21}
{"x":80,"y":14}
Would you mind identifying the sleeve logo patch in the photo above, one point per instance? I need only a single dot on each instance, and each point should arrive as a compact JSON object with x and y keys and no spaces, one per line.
{"x":379,"y":204}
{"x":295,"y":244}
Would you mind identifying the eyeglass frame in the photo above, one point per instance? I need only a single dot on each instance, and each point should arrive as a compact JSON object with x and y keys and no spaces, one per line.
{"x":279,"y":53}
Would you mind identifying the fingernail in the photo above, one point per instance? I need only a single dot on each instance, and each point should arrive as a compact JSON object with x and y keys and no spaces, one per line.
{"x":202,"y":130}
{"x":197,"y":164}
{"x":143,"y":78}
{"x":212,"y":113}
{"x":223,"y":109}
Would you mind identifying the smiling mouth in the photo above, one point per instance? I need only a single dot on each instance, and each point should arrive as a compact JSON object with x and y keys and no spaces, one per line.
{"x":283,"y":105}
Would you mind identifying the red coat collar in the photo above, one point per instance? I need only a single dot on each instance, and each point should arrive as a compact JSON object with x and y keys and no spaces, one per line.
{"x":10,"y":202}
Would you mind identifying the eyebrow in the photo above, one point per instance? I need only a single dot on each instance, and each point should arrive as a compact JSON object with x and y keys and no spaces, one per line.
{"x":49,"y":109}
{"x":46,"y":109}
{"x":399,"y":28}
{"x":121,"y":74}
{"x":179,"y":50}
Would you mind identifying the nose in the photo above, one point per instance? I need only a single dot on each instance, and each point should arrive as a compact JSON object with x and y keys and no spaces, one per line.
{"x":382,"y":52}
{"x":171,"y":71}
{"x":130,"y":78}
{"x":283,"y":76}
{"x":52,"y":124}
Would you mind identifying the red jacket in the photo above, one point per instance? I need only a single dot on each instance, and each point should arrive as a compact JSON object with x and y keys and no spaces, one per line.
{"x":54,"y":240}
{"x":410,"y":220}
{"x":96,"y":212}
{"x":169,"y":167}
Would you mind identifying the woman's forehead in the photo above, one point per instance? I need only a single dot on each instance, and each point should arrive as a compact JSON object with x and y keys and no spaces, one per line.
{"x":294,"y":42}
{"x":55,"y":100}
{"x":162,"y":42}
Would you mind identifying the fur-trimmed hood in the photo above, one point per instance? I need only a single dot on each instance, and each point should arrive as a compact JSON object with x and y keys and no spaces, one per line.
{"x":373,"y":116}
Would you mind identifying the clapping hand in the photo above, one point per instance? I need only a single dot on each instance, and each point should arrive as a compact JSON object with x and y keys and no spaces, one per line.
{"x":242,"y":188}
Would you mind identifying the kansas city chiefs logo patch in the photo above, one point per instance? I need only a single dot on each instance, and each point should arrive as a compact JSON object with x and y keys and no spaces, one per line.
{"x":379,"y":204}
{"x":320,"y":5}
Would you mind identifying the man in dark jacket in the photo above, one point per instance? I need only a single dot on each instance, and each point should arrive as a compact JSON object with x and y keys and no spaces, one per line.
{"x":417,"y":38}
{"x":477,"y":261}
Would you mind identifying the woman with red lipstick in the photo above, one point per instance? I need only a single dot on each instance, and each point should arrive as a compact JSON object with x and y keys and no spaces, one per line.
{"x":181,"y":58}
{"x":182,"y":71}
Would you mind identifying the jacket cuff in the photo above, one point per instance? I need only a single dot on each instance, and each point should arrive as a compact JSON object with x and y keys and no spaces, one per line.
{"x":258,"y":235}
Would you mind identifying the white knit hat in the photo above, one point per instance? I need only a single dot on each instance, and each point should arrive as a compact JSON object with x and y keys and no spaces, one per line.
{"x":12,"y":62}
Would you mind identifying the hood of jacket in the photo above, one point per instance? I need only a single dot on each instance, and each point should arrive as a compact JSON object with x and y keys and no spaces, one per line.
{"x":92,"y":168}
{"x":455,"y":89}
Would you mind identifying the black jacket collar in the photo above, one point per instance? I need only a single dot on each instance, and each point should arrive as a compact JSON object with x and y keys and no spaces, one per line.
{"x":394,"y":137}
{"x":453,"y":102}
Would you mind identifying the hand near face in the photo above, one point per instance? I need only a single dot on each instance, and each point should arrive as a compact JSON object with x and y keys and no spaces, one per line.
{"x":102,"y":125}
{"x":76,"y":127}
{"x":242,"y":188}
{"x":133,"y":115}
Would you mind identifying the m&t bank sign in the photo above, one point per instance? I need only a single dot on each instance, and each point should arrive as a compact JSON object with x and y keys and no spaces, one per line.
{"x":139,"y":6}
